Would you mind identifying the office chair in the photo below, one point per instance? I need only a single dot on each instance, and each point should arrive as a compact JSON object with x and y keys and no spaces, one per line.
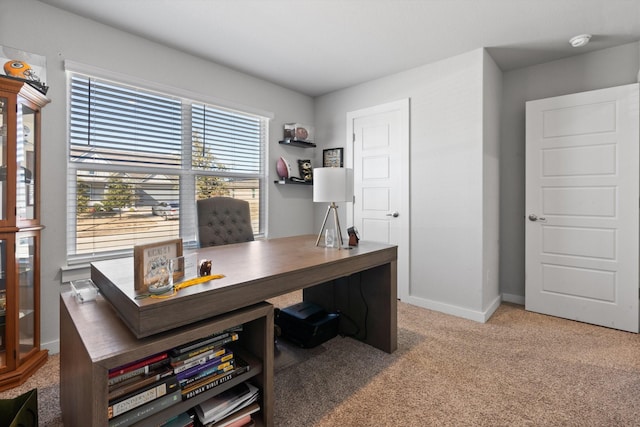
{"x":223,"y":220}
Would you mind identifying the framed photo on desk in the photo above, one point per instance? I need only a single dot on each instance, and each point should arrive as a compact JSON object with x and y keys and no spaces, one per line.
{"x":151,"y":262}
{"x":332,"y":158}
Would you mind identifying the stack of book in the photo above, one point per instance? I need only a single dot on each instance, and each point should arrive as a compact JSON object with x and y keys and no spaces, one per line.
{"x":231,"y":408}
{"x":140,"y":389}
{"x":206,"y":363}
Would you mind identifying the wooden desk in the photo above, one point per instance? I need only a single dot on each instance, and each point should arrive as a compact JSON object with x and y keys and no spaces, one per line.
{"x":263,"y":269}
{"x":360,"y":282}
{"x":94,"y":340}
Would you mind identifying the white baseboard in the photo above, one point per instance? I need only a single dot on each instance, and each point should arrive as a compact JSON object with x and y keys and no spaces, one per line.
{"x":454,"y":310}
{"x":515,"y":299}
{"x":52,"y":346}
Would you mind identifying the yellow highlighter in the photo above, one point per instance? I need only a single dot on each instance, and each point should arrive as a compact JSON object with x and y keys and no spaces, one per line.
{"x":182,"y":285}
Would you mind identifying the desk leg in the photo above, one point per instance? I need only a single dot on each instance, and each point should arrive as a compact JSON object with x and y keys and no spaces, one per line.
{"x":369,"y":299}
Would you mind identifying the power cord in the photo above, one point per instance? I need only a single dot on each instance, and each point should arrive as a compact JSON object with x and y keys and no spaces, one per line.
{"x":353,"y":335}
{"x":364,"y":301}
{"x":356,"y":334}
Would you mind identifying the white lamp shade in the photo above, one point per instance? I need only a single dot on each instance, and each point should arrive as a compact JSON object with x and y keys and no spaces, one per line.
{"x":332,"y":185}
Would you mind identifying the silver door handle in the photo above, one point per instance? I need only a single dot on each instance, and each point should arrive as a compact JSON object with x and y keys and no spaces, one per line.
{"x":394,"y":214}
{"x":534,"y":217}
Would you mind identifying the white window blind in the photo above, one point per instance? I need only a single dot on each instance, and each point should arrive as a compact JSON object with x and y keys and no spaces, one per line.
{"x":235,"y":140}
{"x":139,"y":160}
{"x":123,"y":125}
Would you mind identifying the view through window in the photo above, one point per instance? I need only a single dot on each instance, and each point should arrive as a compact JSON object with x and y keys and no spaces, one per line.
{"x":139,"y":160}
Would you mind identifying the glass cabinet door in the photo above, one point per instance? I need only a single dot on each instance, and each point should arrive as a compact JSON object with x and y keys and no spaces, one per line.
{"x":25,"y":260}
{"x":4,"y":123}
{"x":3,"y":304}
{"x":26,"y":158}
{"x":20,"y":352}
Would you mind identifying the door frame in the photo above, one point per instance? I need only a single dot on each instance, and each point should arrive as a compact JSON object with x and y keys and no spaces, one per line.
{"x":404,"y":248}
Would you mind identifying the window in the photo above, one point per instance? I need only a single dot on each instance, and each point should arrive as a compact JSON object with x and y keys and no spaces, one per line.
{"x":139,"y":160}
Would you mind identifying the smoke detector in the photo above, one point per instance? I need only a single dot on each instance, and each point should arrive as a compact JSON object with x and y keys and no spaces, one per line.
{"x":581,"y":40}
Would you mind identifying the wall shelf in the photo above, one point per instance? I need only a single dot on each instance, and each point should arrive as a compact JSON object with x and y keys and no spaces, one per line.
{"x":289,"y":182}
{"x":298,"y":143}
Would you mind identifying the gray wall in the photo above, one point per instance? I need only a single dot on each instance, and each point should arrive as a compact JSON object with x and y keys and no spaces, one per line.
{"x":428,"y":87}
{"x":596,"y":70}
{"x":491,"y":98}
{"x":35,"y":27}
{"x":454,"y":175}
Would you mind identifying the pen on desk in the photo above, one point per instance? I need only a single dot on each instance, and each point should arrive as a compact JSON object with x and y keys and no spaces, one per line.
{"x":174,"y":290}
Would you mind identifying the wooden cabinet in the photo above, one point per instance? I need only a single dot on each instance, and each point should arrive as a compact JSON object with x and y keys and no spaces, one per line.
{"x":20,"y":353}
{"x":93,"y":339}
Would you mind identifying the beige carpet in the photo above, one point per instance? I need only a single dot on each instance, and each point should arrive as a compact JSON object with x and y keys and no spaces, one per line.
{"x":518,"y":369}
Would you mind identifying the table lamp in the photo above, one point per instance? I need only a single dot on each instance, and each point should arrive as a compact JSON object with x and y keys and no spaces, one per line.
{"x":332,"y":185}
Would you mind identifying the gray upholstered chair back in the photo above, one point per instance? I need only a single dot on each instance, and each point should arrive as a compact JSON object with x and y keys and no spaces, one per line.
{"x":223,"y":220}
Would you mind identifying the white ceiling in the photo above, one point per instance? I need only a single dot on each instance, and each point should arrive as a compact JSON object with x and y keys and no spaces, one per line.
{"x":318,"y":46}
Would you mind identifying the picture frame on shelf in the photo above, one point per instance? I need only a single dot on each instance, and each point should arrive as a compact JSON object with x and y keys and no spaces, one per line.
{"x":333,"y":158}
{"x":152,"y":264}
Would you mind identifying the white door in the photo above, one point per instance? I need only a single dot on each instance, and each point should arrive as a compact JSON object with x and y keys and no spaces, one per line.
{"x":582,"y":200}
{"x":378,"y":150}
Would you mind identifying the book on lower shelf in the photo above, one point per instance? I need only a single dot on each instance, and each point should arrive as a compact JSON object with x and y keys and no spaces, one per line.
{"x":196,"y":347}
{"x":133,"y":367}
{"x":137,"y":383}
{"x":218,"y":356}
{"x":140,"y":413}
{"x":241,"y":418}
{"x":142,"y":396}
{"x":216,"y":409}
{"x":137,"y":370}
{"x":205,"y":371}
{"x":239,"y":367}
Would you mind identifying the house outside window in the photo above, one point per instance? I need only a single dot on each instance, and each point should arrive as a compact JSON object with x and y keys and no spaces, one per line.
{"x":140,"y":159}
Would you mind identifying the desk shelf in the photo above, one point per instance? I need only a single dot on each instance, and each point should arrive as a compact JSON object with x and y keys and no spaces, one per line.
{"x":93,"y":340}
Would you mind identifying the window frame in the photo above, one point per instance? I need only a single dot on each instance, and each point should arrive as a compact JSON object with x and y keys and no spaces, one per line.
{"x":186,"y":173}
